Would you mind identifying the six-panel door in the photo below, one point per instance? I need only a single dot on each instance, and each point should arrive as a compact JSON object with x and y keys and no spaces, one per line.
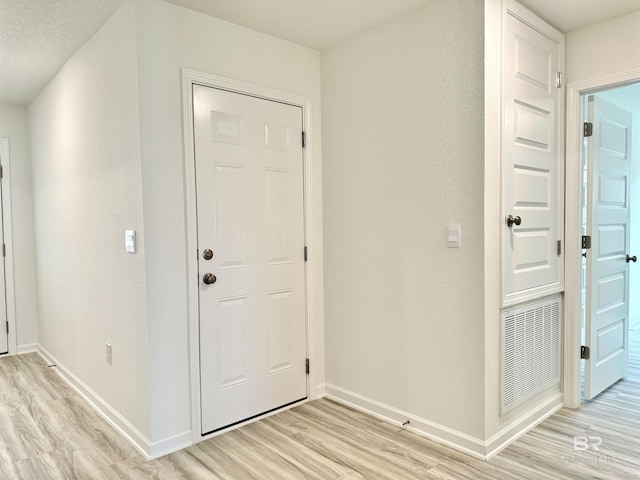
{"x":249,"y":188}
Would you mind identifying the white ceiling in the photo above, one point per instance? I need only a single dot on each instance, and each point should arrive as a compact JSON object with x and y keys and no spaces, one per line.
{"x":38,"y":36}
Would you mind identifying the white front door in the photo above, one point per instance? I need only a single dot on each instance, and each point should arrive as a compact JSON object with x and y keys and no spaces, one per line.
{"x":607,"y":302}
{"x":4,"y":325}
{"x":249,"y":192}
{"x":532,"y":258}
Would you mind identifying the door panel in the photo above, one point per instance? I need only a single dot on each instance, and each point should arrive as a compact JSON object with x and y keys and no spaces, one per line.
{"x":607,"y":286}
{"x":531,"y":263}
{"x":249,"y":191}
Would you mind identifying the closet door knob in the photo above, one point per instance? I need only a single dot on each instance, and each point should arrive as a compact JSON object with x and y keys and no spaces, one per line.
{"x":631,"y":259}
{"x":513,"y":220}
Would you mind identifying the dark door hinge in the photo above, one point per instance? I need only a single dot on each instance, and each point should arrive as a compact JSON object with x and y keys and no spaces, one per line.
{"x":588,"y":129}
{"x":7,"y":323}
{"x":306,"y":366}
{"x":304,"y":139}
{"x":584,"y":353}
{"x":305,"y":253}
{"x":559,"y":247}
{"x":586,"y":242}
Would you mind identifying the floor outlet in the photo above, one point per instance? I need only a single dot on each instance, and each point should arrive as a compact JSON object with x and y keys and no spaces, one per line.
{"x":109,"y":354}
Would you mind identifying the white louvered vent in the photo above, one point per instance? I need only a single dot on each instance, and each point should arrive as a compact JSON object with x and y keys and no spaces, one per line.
{"x":530,"y":351}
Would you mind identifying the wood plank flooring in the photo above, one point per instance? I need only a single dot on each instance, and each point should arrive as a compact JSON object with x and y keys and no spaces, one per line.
{"x":48,"y":432}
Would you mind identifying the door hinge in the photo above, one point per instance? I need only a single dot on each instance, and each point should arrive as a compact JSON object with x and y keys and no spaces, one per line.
{"x":306,"y":366}
{"x":1,"y":171}
{"x":559,"y":79}
{"x":7,"y":324}
{"x":559,"y":247}
{"x":304,"y":139}
{"x":586,"y":242}
{"x":588,"y":129}
{"x":4,"y":249}
{"x":305,"y":253}
{"x":584,"y":353}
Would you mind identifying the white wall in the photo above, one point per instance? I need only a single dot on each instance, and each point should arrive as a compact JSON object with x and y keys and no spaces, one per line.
{"x":603,"y":49}
{"x":169,"y":38}
{"x":85,"y":148}
{"x":403,"y":157}
{"x":13,"y":125}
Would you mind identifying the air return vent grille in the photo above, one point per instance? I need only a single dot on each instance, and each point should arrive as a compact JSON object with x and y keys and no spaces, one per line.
{"x":530,"y":351}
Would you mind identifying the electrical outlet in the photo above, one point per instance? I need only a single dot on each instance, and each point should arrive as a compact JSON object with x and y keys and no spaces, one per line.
{"x":109,"y":354}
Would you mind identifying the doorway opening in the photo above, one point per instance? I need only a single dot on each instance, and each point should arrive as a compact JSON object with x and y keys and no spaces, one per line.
{"x":610,"y":223}
{"x":574,"y":200}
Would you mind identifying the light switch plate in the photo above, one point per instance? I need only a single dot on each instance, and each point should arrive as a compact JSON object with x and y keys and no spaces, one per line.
{"x":130,"y":241}
{"x":453,"y":235}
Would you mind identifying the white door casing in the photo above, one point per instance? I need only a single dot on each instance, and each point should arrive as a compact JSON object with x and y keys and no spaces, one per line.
{"x":4,"y":331}
{"x":607,"y":300}
{"x":249,"y":190}
{"x":532,"y":258}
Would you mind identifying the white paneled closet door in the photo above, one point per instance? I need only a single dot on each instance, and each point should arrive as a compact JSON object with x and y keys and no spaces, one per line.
{"x":532,"y":161}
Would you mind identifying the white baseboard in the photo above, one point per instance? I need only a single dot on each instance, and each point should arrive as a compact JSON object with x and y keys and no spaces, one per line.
{"x":523,"y":424}
{"x":450,"y":437}
{"x":27,"y":348}
{"x":434,"y":431}
{"x":170,"y":444}
{"x":148,"y":449}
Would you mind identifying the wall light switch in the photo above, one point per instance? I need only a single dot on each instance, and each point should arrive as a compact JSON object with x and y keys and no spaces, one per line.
{"x":130,"y":241}
{"x":453,"y":235}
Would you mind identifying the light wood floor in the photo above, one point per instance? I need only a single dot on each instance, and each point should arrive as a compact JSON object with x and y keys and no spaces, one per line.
{"x":48,"y":432}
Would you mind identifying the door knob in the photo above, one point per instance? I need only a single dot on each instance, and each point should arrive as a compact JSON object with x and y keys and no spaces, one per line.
{"x":631,"y":259}
{"x":209,"y":278}
{"x":511,"y":220}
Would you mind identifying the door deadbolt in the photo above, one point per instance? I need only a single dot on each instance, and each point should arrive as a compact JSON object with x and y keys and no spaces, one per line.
{"x":209,"y":278}
{"x":207,"y":254}
{"x":513,"y":220}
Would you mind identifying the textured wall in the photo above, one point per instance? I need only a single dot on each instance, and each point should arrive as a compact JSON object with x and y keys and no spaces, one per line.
{"x":87,"y":191}
{"x":13,"y":125}
{"x":403,"y":157}
{"x":169,"y":38}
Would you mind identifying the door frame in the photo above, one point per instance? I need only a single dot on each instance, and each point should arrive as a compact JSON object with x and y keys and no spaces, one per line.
{"x":12,"y":340}
{"x":573,"y":222}
{"x":314,"y":338}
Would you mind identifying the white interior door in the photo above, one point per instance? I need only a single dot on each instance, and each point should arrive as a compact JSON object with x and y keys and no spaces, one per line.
{"x":531,"y":255}
{"x":249,"y":191}
{"x":607,"y":302}
{"x":4,"y":325}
